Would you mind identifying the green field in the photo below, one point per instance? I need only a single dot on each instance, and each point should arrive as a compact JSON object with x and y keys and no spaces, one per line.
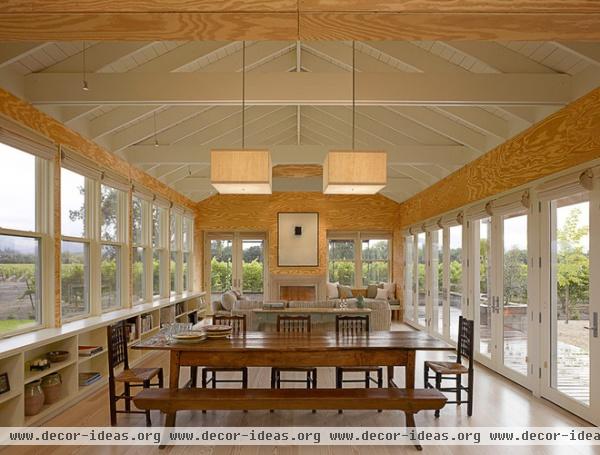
{"x":12,"y":325}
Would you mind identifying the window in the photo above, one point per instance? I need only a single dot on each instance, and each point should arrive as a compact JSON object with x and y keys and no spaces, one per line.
{"x":75,"y":257}
{"x":358,"y":260}
{"x":111,"y":247}
{"x":341,"y":262}
{"x":175,"y":239}
{"x":20,"y":239}
{"x":187,"y":251}
{"x":159,"y":250}
{"x":375,"y":261}
{"x":140,"y":249}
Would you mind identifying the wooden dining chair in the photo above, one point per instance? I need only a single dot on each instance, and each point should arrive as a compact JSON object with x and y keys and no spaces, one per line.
{"x":116,"y":336}
{"x":453,"y":371}
{"x":209,"y":374}
{"x":294,"y":324}
{"x":349,"y":326}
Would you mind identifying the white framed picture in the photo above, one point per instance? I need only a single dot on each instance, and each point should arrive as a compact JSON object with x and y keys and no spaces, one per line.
{"x":298,"y":239}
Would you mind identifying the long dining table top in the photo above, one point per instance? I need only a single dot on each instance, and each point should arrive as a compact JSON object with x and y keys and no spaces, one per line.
{"x":299,"y":342}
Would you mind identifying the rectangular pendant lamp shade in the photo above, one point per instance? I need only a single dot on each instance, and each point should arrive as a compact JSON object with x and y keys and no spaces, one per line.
{"x":241,"y":171}
{"x":354,"y":172}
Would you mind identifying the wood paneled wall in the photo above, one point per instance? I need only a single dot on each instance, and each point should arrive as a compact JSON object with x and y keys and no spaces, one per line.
{"x":569,"y":137}
{"x":259,"y":213}
{"x":30,"y":20}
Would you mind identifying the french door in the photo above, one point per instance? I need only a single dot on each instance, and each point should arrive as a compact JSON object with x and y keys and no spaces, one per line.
{"x":500,"y":276}
{"x":570,"y":339}
{"x":236,"y":261}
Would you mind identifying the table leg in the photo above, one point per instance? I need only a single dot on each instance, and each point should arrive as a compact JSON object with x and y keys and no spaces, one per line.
{"x":409,"y":370}
{"x":390,"y":375}
{"x":174,"y":367}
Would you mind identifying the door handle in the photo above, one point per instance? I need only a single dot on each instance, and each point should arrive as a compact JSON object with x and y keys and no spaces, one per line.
{"x":594,"y":327}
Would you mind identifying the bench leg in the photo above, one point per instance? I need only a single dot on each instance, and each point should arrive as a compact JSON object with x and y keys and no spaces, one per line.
{"x":169,"y":423}
{"x":410,"y":423}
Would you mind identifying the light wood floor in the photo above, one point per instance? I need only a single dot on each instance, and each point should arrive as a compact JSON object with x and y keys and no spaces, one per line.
{"x":498,"y":402}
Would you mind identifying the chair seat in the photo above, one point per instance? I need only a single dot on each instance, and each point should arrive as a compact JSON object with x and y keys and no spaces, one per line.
{"x":447,"y":367}
{"x":359,"y":369}
{"x":137,"y":374}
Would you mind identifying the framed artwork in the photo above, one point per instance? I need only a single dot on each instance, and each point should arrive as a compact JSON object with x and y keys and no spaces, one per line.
{"x":298,"y":239}
{"x":4,"y":384}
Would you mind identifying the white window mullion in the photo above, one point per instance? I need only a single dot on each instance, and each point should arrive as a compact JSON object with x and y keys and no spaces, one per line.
{"x":93,"y":221}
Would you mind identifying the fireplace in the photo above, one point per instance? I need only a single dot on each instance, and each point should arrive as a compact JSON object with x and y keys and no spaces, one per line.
{"x":297,"y":287}
{"x":298,"y":292}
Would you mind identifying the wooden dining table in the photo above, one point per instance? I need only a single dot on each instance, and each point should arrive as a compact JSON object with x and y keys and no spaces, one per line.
{"x":324,"y":349}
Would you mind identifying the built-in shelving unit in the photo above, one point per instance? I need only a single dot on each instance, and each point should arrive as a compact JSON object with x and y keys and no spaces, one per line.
{"x":17,"y":353}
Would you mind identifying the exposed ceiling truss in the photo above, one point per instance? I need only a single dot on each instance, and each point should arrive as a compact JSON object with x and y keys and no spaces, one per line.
{"x":433,"y":106}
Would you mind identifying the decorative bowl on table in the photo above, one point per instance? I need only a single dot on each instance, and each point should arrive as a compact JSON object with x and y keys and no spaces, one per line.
{"x":57,"y":356}
{"x":190,"y":337}
{"x":217,"y":331}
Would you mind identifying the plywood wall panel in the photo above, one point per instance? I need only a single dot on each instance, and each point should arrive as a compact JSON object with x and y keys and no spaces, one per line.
{"x":259,"y":213}
{"x":567,"y":138}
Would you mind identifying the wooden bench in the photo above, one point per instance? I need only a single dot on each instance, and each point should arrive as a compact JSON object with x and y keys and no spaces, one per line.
{"x":409,"y":401}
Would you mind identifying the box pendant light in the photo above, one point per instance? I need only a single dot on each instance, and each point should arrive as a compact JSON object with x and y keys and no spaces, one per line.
{"x":354,"y":171}
{"x":241,"y":171}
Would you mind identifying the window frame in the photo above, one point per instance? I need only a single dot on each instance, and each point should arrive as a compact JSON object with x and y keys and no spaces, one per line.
{"x":145,"y":244}
{"x":43,"y":233}
{"x":357,"y":238}
{"x":161,"y":247}
{"x":188,"y":248}
{"x":90,"y":281}
{"x":120,"y":242}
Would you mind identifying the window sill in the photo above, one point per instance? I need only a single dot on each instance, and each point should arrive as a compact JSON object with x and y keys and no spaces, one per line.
{"x":40,"y":336}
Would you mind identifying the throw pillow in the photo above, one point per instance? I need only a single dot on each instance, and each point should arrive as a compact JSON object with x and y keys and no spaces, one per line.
{"x":345,"y":292}
{"x":372,"y":291}
{"x":390,"y":288}
{"x":332,"y":290}
{"x":382,"y":294}
{"x":227,"y":300}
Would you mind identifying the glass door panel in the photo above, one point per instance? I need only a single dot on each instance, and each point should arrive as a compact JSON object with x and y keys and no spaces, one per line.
{"x":485,"y":283}
{"x":221,"y":267}
{"x":456,"y":271}
{"x":570,"y":297}
{"x":409,"y":309}
{"x":253,"y":269}
{"x":421,"y":282}
{"x":514,"y":295}
{"x":437,"y":281}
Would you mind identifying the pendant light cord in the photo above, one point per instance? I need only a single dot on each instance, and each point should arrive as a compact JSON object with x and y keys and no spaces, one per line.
{"x":353,"y":93}
{"x":243,"y":95}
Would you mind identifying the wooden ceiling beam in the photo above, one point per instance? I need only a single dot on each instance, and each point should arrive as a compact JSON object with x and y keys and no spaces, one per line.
{"x":140,"y":20}
{"x":301,"y":88}
{"x":298,"y":154}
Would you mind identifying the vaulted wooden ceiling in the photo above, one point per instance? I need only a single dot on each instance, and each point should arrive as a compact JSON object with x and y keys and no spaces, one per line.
{"x":432,"y":105}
